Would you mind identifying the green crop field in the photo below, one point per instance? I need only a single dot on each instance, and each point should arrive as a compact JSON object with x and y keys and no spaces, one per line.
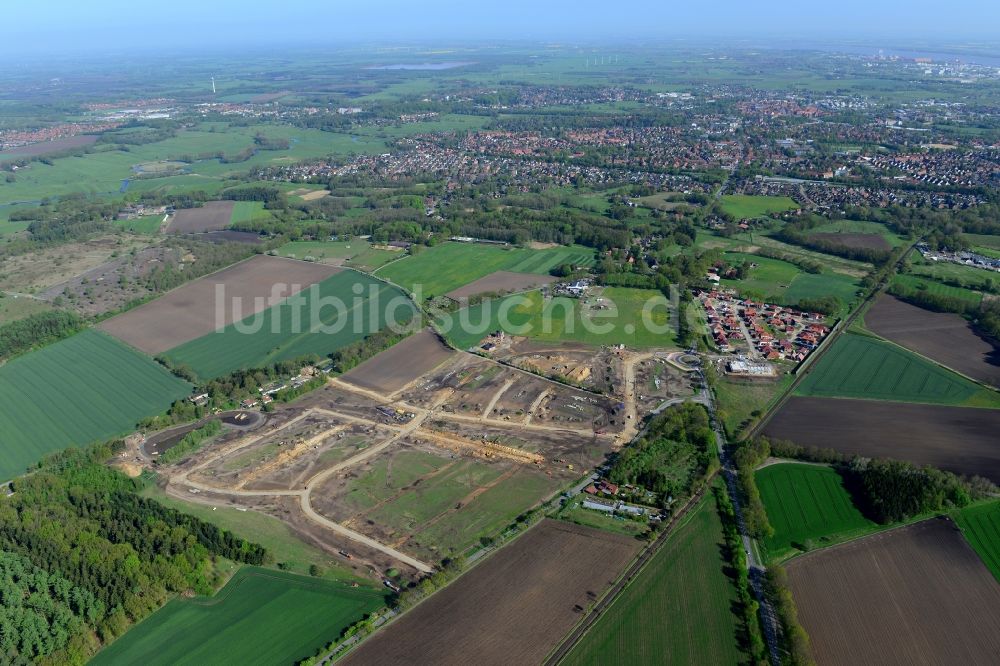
{"x":860,"y":366}
{"x":983,"y":240}
{"x":440,"y":269}
{"x":260,"y":617}
{"x":747,"y":205}
{"x":915,"y":283}
{"x":678,"y":610}
{"x":355,"y":253}
{"x":808,"y":506}
{"x":147,"y":225}
{"x":248,"y":211}
{"x":981,"y":526}
{"x":568,"y":319}
{"x":87,"y":388}
{"x":285,"y":331}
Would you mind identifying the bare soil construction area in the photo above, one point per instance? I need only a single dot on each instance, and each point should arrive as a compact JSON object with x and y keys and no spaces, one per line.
{"x":854,"y":240}
{"x":914,"y":595}
{"x":401,"y":364}
{"x":501,"y":282}
{"x":943,"y":337}
{"x":213,"y":216}
{"x":190,"y":311}
{"x":959,"y":439}
{"x":597,"y":369}
{"x":511,"y":609}
{"x":407,"y":475}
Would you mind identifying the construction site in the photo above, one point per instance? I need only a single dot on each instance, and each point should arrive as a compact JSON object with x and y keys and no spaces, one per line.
{"x":407,"y":470}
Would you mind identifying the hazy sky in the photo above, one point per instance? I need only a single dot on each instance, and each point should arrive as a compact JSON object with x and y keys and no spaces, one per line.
{"x":40,"y":26}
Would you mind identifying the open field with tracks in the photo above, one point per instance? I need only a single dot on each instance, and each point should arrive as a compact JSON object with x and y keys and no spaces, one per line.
{"x":191,"y":311}
{"x":87,"y":388}
{"x":959,"y":439}
{"x":261,"y":616}
{"x":944,"y":337}
{"x":917,"y":594}
{"x":859,"y":366}
{"x":513,"y":608}
{"x":808,"y":507}
{"x":677,"y":611}
{"x":501,"y":282}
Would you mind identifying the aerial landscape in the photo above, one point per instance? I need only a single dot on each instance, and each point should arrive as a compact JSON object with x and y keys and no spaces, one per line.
{"x":520,"y":334}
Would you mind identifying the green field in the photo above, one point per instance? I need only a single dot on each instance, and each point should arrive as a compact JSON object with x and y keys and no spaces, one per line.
{"x":567,"y":319}
{"x":808,"y":507}
{"x":678,"y":610}
{"x":284,"y":332}
{"x":780,"y":282}
{"x":147,"y":225}
{"x":102,"y":171}
{"x":355,"y":253}
{"x":860,"y":366}
{"x":915,"y":283}
{"x":442,"y":268}
{"x":748,"y":205}
{"x":87,"y":388}
{"x":248,"y":211}
{"x":980,"y":524}
{"x":287,"y":547}
{"x":260,"y":617}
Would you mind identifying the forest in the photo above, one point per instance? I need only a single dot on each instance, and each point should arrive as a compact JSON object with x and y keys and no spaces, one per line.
{"x":87,"y":557}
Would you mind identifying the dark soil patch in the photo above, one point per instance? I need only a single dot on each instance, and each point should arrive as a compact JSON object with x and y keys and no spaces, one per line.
{"x":855,"y":240}
{"x":513,"y":608}
{"x":943,"y":337}
{"x":915,"y":595}
{"x":213,"y":216}
{"x":959,"y":439}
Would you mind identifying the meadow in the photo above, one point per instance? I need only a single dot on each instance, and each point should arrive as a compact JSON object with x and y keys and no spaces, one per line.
{"x":102,"y":171}
{"x":861,"y":366}
{"x":448,"y":266}
{"x":980,"y":524}
{"x":563,"y":319}
{"x":748,"y":205}
{"x":286,"y":330}
{"x":261,"y":616}
{"x":355,"y":253}
{"x":87,"y":388}
{"x":678,"y":610}
{"x":808,"y":506}
{"x":915,"y":283}
{"x":781,"y":282}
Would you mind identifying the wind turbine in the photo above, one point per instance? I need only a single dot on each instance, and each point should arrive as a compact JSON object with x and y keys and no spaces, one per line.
{"x":213,"y":85}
